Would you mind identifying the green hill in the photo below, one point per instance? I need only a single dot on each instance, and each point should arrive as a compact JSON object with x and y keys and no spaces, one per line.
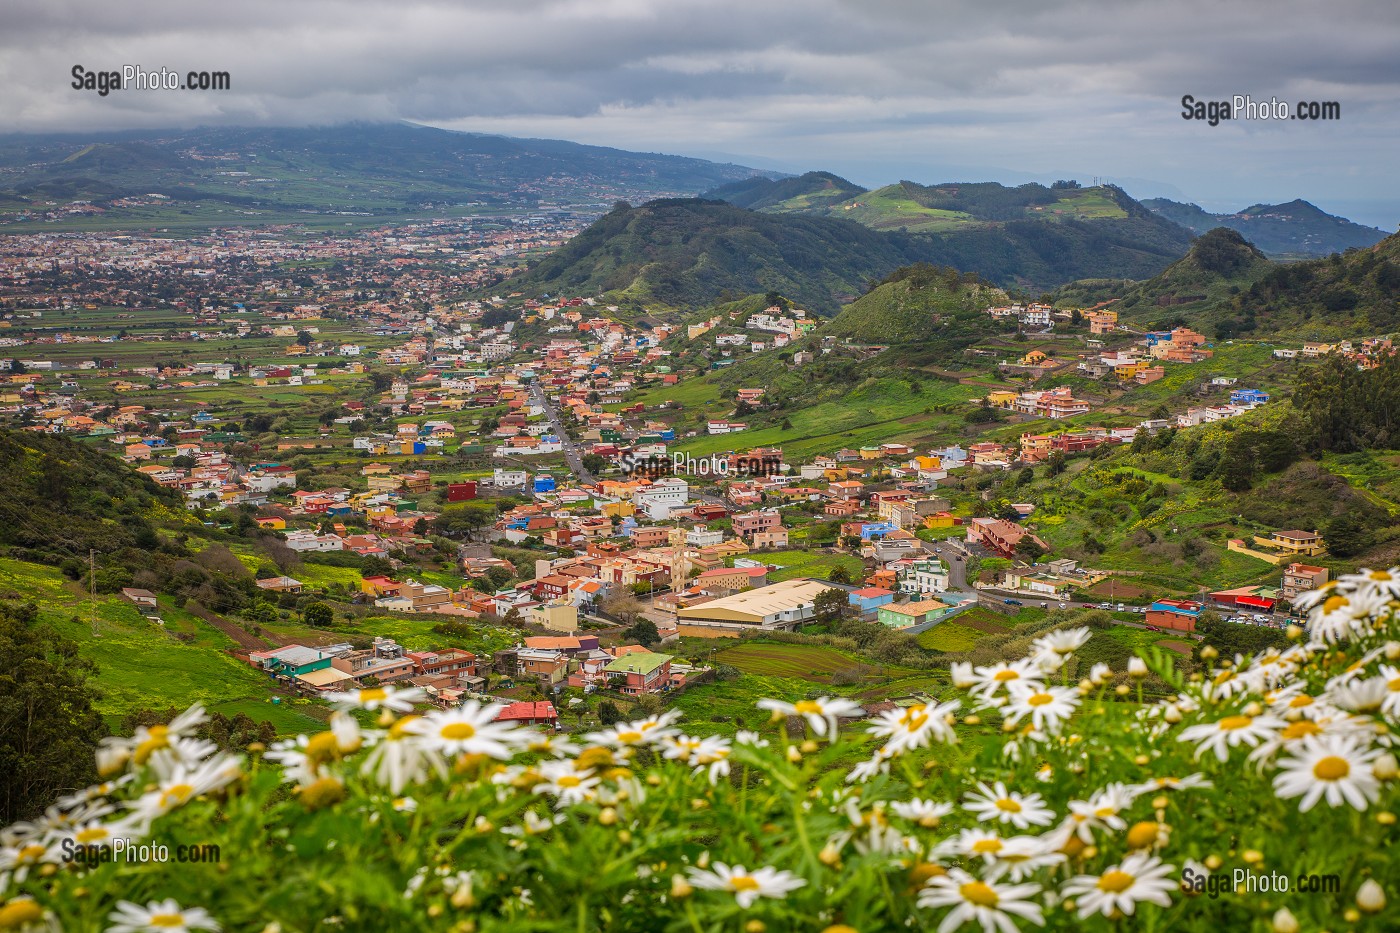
{"x":919,"y":303}
{"x":1296,"y":230}
{"x":1228,"y":288}
{"x":688,"y":253}
{"x":1030,"y":236}
{"x":803,"y":193}
{"x":1220,"y":264}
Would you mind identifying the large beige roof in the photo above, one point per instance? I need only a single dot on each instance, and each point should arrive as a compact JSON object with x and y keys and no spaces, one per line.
{"x":753,"y":605}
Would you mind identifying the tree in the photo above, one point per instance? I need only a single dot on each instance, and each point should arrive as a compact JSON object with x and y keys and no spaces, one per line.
{"x":830,"y":605}
{"x":839,"y":575}
{"x":317,"y":615}
{"x":594,"y":463}
{"x":608,"y":713}
{"x":1029,"y":549}
{"x":1055,"y":463}
{"x":304,"y":338}
{"x":1348,"y":534}
{"x":48,"y":727}
{"x":643,"y":632}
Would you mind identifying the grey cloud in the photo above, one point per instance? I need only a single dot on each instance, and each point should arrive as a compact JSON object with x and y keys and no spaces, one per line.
{"x":1042,"y":85}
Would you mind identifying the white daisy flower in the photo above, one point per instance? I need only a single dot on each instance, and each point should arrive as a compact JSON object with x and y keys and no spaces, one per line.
{"x":401,"y":759}
{"x":1169,"y":782}
{"x":185,"y":784}
{"x":563,"y":782}
{"x":399,"y":700}
{"x":821,"y":714}
{"x":1222,"y":735}
{"x":1022,"y":856}
{"x":1062,"y":641}
{"x":927,"y":813}
{"x":1138,"y":878}
{"x":991,"y":679}
{"x":962,"y":675}
{"x":165,"y":916}
{"x":1101,"y":811}
{"x":1361,"y":696}
{"x":988,"y":844}
{"x":1048,"y":707}
{"x":550,"y":743}
{"x":1100,"y":674}
{"x":532,"y":824}
{"x":1382,"y":583}
{"x":1334,"y":766}
{"x":747,"y":886}
{"x":877,"y":764}
{"x":751,"y":738}
{"x":989,"y":903}
{"x":649,"y":732}
{"x":1004,"y":806}
{"x":915,"y":726}
{"x":469,"y":729}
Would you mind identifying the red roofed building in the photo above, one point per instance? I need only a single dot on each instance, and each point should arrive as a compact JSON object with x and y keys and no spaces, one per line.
{"x":529,"y":713}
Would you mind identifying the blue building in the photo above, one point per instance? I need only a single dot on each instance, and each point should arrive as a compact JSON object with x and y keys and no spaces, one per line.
{"x":1248,"y":397}
{"x":544,"y":483}
{"x":870,"y":599}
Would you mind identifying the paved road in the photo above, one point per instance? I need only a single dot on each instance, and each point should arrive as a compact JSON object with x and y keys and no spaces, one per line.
{"x":571,"y":451}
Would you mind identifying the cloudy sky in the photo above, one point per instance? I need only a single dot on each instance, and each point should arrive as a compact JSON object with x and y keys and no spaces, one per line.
{"x":876,"y":90}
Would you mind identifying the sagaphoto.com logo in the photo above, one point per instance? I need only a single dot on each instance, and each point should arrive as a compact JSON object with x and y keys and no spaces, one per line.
{"x":134,"y":77}
{"x":1244,"y":107}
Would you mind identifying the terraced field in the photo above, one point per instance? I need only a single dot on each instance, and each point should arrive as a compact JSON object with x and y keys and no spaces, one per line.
{"x":806,"y":662}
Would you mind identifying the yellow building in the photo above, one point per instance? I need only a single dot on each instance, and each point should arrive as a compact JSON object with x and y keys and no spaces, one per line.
{"x":1002,"y":398}
{"x":620,"y":509}
{"x":1033,"y":358}
{"x":557,"y":617}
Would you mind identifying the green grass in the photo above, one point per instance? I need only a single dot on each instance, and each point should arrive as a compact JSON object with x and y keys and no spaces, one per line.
{"x":950,"y":636}
{"x":796,"y":564}
{"x":141,"y":665}
{"x":814,"y":663}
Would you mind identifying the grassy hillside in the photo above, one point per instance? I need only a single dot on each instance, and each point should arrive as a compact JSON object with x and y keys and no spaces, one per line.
{"x":1296,"y":230}
{"x":805,"y":192}
{"x":1219,"y":266}
{"x":688,"y":253}
{"x":920,"y":303}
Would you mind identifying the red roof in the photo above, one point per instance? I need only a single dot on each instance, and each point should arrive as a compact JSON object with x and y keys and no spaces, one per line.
{"x":527,"y":711}
{"x":872,"y":591}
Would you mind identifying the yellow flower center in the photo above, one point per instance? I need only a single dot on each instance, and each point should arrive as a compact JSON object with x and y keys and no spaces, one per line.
{"x":628,"y":738}
{"x":1300,"y":729}
{"x":986,"y":846}
{"x":166,"y":920}
{"x":1380,"y":576}
{"x":1008,"y":805}
{"x":569,"y":780}
{"x":31,"y":853}
{"x":94,"y":834}
{"x":1105,"y":812}
{"x":322,"y":746}
{"x":1040,"y":699}
{"x":176,"y":796}
{"x":979,"y":893}
{"x":158,"y":738}
{"x":1393,"y":684}
{"x":1333,"y":603}
{"x":1331,"y":768}
{"x":1142,"y":835}
{"x":808,"y":707}
{"x":1115,"y":881}
{"x":322,"y":793}
{"x":457,"y":731}
{"x":399,"y":729}
{"x":1300,"y":701}
{"x":374,"y":695}
{"x":743,"y":883}
{"x":1004,"y":676}
{"x":19,"y":913}
{"x":1231,"y":723}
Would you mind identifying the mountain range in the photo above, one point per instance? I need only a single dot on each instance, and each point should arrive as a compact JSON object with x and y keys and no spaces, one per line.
{"x":364,"y":167}
{"x":1296,"y":230}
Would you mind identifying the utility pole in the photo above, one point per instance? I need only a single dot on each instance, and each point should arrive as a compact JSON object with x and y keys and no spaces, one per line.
{"x":92,"y":592}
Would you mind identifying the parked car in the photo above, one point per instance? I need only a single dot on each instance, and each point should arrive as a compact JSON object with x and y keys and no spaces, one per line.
{"x":1122,"y":608}
{"x":1063,"y":604}
{"x":1013,"y":602}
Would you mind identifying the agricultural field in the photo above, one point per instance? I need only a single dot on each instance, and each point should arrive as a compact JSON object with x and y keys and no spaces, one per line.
{"x":794,"y":564}
{"x":815,"y":663}
{"x":142,"y":665}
